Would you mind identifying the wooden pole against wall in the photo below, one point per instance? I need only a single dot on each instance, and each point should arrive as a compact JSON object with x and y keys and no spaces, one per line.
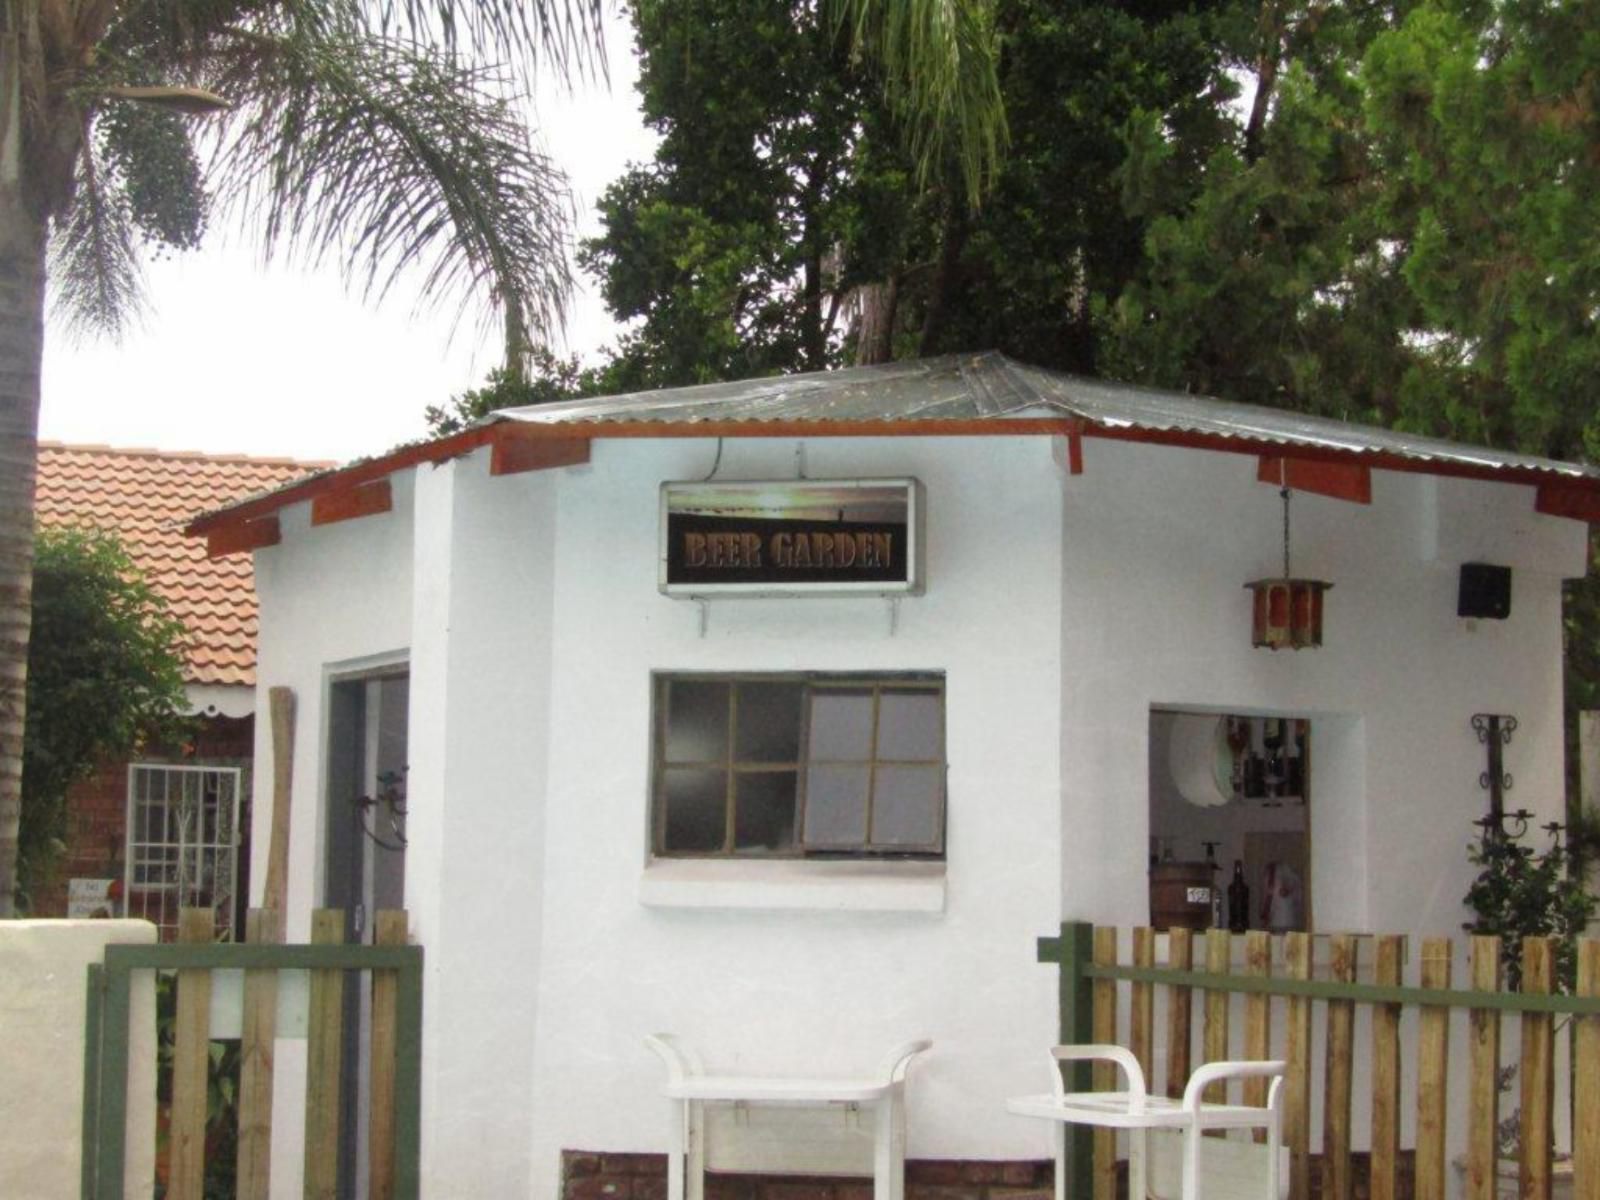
{"x":280,"y":701}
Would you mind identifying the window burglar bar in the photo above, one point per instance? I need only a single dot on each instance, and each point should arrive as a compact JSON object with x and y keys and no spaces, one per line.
{"x":799,"y":765}
{"x":182,"y":852}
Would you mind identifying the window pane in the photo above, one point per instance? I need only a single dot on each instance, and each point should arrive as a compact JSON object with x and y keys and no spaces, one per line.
{"x":769,"y":723}
{"x":905,"y":806}
{"x":696,"y":809}
{"x":836,"y":806}
{"x":908,"y":724}
{"x":764,"y":819}
{"x":841,"y":725}
{"x":697,"y":721}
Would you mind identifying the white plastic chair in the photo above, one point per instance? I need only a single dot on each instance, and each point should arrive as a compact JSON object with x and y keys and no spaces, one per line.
{"x":1209,"y":1167}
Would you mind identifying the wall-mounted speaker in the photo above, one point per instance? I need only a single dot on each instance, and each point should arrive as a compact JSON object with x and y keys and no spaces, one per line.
{"x":1485,"y":591}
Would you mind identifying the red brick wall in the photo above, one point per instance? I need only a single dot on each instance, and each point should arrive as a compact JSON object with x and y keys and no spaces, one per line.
{"x":592,"y":1176}
{"x":97,"y":808}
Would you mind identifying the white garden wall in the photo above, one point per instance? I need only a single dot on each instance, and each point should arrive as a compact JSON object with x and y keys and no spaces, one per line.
{"x":43,"y":1004}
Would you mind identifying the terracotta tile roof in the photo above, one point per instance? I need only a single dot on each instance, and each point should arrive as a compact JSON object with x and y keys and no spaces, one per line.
{"x":145,"y":496}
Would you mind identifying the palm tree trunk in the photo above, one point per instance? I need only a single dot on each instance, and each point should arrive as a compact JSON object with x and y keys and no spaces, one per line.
{"x":22,"y":248}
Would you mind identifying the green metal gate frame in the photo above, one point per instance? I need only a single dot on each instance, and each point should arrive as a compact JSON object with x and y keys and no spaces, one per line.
{"x":105,"y":1061}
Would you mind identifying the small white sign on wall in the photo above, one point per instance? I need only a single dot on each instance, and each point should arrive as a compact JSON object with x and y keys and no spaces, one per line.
{"x":90,"y":898}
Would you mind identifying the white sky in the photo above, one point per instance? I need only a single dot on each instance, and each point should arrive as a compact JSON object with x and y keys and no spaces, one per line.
{"x":280,"y":360}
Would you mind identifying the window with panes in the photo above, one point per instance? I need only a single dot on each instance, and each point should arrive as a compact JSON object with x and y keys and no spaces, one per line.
{"x":830,"y":766}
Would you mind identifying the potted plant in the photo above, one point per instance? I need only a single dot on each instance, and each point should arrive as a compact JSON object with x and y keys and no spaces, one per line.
{"x":1521,"y":892}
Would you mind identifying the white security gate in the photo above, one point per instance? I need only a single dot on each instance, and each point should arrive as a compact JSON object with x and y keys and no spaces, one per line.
{"x":183,"y":826}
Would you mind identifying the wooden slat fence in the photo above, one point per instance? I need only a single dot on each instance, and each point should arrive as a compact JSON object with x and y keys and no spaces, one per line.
{"x":393,"y":1125}
{"x":1259,"y":997}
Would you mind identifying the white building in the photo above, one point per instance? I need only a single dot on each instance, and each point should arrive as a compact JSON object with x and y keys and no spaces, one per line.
{"x":628,"y":811}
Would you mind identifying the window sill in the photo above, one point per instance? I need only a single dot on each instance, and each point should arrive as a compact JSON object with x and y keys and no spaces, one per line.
{"x":789,"y":885}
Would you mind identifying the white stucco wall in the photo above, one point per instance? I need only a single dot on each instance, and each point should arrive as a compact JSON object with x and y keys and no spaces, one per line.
{"x":334,"y":599}
{"x":1159,"y":542}
{"x":480,"y":722}
{"x":1060,"y":609}
{"x":807,"y":991}
{"x":43,"y":1008}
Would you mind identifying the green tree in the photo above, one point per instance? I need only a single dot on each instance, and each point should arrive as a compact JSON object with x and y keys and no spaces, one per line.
{"x":105,"y":675}
{"x":546,"y":378}
{"x":1271,"y":275}
{"x":783,"y":224}
{"x":387,"y":135}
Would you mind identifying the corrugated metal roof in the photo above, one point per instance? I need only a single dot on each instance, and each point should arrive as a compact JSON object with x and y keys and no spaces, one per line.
{"x":990,"y":386}
{"x":956,"y":394}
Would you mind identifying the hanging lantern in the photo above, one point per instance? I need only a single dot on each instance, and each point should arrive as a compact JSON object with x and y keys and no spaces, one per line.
{"x":1286,"y":611}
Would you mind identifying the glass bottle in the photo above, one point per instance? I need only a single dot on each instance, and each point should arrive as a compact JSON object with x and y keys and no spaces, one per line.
{"x":1238,"y":900}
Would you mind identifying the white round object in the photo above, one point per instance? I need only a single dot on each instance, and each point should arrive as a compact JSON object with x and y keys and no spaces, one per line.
{"x":1199,"y":759}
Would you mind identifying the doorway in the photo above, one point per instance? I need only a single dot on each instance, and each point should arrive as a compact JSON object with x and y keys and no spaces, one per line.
{"x":1230,"y":798}
{"x":364,"y":868}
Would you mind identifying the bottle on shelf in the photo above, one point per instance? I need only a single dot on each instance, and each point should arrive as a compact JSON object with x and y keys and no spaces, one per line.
{"x":1216,"y":888}
{"x":1238,"y":900}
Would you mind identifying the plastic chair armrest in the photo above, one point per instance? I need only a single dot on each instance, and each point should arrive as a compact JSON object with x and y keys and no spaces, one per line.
{"x":899,"y":1059}
{"x":1204,"y":1076}
{"x":681,"y":1061}
{"x":1103,"y":1053}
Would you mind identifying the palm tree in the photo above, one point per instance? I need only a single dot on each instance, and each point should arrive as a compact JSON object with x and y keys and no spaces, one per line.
{"x":385,"y":132}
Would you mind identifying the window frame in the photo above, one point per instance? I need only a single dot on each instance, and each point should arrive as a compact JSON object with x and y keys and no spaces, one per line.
{"x":193,"y":858}
{"x":733,"y":769}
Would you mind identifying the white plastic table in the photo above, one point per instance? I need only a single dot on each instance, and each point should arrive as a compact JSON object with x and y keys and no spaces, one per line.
{"x":1251,"y":1173}
{"x":692,"y":1089}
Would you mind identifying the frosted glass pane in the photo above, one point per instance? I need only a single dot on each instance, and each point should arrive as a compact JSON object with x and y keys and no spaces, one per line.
{"x":696,"y":810}
{"x":905,"y":806}
{"x":764,"y":815}
{"x":908,"y":724}
{"x":697,"y":721}
{"x":836,"y":806}
{"x":841,"y":725}
{"x":769,"y":723}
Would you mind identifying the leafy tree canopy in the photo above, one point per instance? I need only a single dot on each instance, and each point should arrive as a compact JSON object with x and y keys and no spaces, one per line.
{"x":783,"y":226}
{"x":104,"y":676}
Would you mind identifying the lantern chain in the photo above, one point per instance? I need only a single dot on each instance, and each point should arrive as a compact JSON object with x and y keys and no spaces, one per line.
{"x":1287,"y":574}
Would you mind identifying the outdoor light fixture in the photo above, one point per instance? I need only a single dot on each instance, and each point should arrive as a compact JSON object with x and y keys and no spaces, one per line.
{"x":1286,"y":611}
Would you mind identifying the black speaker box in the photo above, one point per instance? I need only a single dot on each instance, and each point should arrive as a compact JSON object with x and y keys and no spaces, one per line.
{"x":1485,"y":591}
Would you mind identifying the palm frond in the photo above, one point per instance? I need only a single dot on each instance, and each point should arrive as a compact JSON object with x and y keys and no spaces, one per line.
{"x":390,"y":156}
{"x":940,"y":64}
{"x":564,"y":35}
{"x":95,"y":274}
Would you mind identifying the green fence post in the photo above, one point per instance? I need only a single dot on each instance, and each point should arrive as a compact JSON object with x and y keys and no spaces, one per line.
{"x":408,"y":1077}
{"x":112,"y":1125}
{"x":1074,"y":951}
{"x":91,"y":1080}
